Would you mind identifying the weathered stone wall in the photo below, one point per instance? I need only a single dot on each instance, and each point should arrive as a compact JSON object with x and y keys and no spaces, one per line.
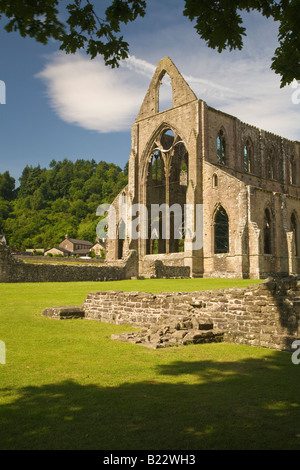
{"x":265,"y":315}
{"x":14,"y":270}
{"x":244,"y":191}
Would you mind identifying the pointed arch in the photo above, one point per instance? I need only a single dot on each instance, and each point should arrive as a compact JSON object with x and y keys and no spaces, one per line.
{"x":165,"y":92}
{"x":248,"y":156}
{"x":121,"y":238}
{"x":181,"y":91}
{"x":221,"y":230}
{"x":164,"y":177}
{"x":271,"y":164}
{"x":154,"y":143}
{"x":268,"y":232}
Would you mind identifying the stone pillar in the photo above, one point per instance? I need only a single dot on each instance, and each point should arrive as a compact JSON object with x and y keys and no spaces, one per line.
{"x":291,"y":252}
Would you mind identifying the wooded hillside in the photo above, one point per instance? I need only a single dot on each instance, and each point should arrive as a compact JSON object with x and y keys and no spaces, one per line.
{"x":62,"y":199}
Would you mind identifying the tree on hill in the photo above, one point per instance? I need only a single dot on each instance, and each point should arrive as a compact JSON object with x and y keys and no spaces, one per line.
{"x":52,"y":202}
{"x":7,"y":186}
{"x":97,"y":31}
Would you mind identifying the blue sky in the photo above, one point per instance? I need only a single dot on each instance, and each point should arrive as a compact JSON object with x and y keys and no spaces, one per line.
{"x":67,"y":106}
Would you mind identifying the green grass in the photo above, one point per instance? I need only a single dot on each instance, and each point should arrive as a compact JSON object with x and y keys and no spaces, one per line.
{"x":66,"y":385}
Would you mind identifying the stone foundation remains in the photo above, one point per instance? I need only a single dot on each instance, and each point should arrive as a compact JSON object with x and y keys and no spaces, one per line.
{"x":264,"y":315}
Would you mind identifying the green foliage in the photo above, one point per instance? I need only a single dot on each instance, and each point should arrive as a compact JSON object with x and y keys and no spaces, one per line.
{"x":7,"y":186}
{"x":89,"y":26}
{"x":219,"y":23}
{"x":50,"y":203}
{"x":97,"y":33}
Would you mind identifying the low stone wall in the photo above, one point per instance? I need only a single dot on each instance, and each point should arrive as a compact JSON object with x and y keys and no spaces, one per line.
{"x":15,"y":270}
{"x":171,"y":272}
{"x":265,"y":315}
{"x":164,"y":266}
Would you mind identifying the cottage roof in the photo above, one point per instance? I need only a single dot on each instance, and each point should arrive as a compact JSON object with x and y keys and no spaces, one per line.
{"x":59,"y":248}
{"x":81,"y":242}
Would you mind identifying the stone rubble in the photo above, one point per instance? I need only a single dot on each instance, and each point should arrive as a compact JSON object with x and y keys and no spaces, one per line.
{"x":177,"y":332}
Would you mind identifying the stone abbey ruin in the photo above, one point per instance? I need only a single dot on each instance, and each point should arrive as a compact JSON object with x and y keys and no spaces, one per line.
{"x":246,"y":182}
{"x":246,"y":179}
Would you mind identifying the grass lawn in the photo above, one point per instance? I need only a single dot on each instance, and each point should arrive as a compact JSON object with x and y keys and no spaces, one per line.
{"x":66,"y":385}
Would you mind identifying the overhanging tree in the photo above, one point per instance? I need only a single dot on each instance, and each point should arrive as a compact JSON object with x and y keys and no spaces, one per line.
{"x":87,"y":26}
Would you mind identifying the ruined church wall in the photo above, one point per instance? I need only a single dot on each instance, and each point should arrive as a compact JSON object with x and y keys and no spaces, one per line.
{"x":245,"y":197}
{"x":14,"y":270}
{"x":229,"y":193}
{"x":184,"y":121}
{"x":236,"y":134}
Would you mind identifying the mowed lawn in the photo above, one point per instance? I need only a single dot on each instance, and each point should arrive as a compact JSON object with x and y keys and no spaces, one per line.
{"x":66,"y":385}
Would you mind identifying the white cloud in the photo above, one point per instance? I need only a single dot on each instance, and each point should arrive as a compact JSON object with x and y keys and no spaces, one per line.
{"x":88,"y":94}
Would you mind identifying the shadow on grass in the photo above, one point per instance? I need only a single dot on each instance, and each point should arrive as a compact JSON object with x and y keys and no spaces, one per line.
{"x":248,"y":404}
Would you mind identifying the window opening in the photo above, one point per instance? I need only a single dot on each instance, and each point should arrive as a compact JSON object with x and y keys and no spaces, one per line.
{"x":215,"y":181}
{"x":221,"y":148}
{"x":248,"y":157}
{"x":221,"y":229}
{"x":294,"y":230}
{"x":167,"y":139}
{"x":267,"y":233}
{"x":165,"y":94}
{"x":293,"y":170}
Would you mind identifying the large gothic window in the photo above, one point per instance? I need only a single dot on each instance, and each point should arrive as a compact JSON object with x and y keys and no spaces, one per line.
{"x":221,"y":148}
{"x":166,"y":190}
{"x":221,"y":231}
{"x":267,"y":233}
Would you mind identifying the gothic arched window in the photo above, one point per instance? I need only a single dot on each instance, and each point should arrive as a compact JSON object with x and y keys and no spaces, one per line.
{"x":248,"y":157}
{"x":221,"y":148}
{"x":221,"y":231}
{"x":267,"y":233}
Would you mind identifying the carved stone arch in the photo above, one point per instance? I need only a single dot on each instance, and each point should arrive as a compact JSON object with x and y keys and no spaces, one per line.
{"x":220,"y":230}
{"x":217,"y":207}
{"x":268,"y":230}
{"x":153,"y":143}
{"x":162,"y":79}
{"x":182,"y":93}
{"x":222,"y":146}
{"x":121,"y":232}
{"x":271,"y":162}
{"x":215,"y":180}
{"x":248,"y":155}
{"x":268,"y":206}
